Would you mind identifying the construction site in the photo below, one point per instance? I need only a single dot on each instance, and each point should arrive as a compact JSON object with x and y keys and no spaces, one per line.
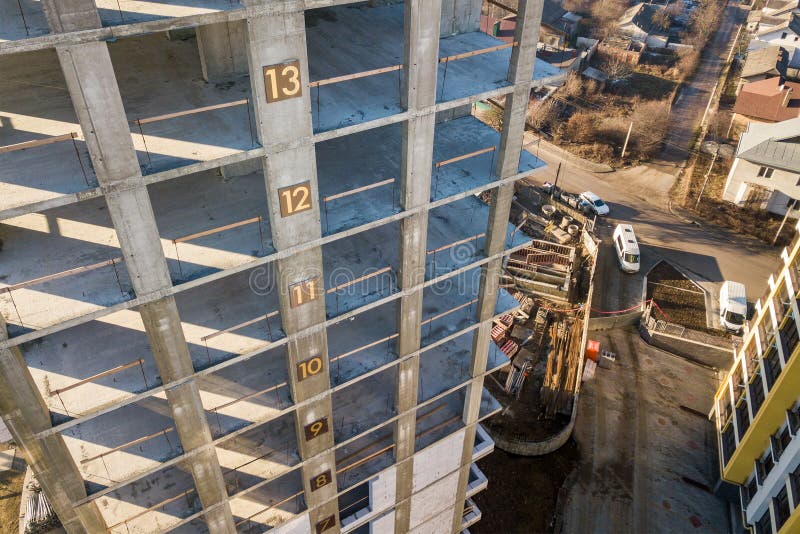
{"x":253,"y":255}
{"x":546,"y":337}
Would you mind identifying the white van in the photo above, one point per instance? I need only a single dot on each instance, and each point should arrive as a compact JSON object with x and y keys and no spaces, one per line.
{"x":627,"y":248}
{"x":732,"y":306}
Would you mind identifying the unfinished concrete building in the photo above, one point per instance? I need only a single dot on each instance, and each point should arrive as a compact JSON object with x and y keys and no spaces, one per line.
{"x":246,"y":280}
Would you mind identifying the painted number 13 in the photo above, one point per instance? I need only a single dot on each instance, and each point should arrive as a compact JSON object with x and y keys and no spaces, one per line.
{"x":282,"y":81}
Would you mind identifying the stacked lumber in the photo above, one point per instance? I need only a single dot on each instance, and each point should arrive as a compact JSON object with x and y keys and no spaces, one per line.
{"x":563,"y":362}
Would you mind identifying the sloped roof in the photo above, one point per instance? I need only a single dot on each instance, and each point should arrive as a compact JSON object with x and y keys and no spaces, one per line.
{"x":641,"y":15}
{"x":769,"y":100}
{"x":769,"y":59}
{"x":775,"y":145}
{"x":552,"y":13}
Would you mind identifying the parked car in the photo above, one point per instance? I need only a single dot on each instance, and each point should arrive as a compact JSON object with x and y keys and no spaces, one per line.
{"x":732,"y":306}
{"x":598,"y":206}
{"x":627,"y":248}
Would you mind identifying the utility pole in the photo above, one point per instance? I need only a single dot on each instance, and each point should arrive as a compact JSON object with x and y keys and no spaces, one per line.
{"x":708,"y":173}
{"x":625,"y":146}
{"x":555,"y":184}
{"x":788,"y":210}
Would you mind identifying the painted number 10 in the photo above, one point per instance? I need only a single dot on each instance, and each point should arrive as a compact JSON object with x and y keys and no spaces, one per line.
{"x":308,"y":368}
{"x":282,"y":81}
{"x":295,"y":198}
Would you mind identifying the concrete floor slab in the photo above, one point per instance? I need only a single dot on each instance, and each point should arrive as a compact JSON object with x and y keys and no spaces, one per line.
{"x":118,"y":12}
{"x":209,"y":310}
{"x":66,"y":365}
{"x":21,"y":20}
{"x":158,"y":77}
{"x":126,"y":510}
{"x":259,"y":454}
{"x":42,"y":244}
{"x":34,"y":105}
{"x":204,"y":201}
{"x":246,"y":392}
{"x":270,"y":505}
{"x":103,"y":450}
{"x":354,"y":101}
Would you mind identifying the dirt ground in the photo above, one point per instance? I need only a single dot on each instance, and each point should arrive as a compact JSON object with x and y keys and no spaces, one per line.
{"x":680,"y":300}
{"x":523,"y":491}
{"x":10,"y":496}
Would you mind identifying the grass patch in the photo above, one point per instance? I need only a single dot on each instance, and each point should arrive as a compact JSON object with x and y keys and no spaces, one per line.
{"x":677,"y":296}
{"x":647,"y":86}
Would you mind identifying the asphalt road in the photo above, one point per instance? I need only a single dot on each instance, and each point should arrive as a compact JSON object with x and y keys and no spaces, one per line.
{"x":692,"y":100}
{"x":647,"y":451}
{"x":639,"y":197}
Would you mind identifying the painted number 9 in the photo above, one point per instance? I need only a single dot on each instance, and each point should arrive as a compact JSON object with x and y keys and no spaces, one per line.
{"x":282,"y":81}
{"x":317,"y":428}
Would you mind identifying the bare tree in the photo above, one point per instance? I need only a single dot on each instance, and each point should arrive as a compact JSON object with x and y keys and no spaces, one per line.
{"x":617,"y":68}
{"x":541,"y":114}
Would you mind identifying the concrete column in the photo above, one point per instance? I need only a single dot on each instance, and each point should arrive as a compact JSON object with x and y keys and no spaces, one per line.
{"x":460,"y":16}
{"x":223,"y":49}
{"x":520,"y":74}
{"x":274,"y":40}
{"x":421,"y":59}
{"x":25,"y":414}
{"x":90,"y":79}
{"x":71,"y":15}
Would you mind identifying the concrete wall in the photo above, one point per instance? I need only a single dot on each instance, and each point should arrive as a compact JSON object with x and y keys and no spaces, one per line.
{"x":434,"y":499}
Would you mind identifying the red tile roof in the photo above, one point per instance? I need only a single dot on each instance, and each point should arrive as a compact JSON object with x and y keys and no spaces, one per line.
{"x":769,"y":100}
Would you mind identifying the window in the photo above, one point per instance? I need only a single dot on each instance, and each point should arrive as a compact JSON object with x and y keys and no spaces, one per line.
{"x":772,"y":364}
{"x":751,"y":489}
{"x":794,"y":480}
{"x":784,"y":438}
{"x":764,"y":525}
{"x":794,"y":420}
{"x":782,"y":508}
{"x":756,"y":391}
{"x":784,"y":35}
{"x":765,"y":172}
{"x":742,"y":419}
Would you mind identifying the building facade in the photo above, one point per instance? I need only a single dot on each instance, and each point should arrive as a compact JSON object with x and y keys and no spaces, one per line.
{"x":757,"y":408}
{"x":765,"y":174}
{"x":246,"y":280}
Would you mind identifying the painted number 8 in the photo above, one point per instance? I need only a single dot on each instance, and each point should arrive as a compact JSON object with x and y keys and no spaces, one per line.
{"x":321,"y":480}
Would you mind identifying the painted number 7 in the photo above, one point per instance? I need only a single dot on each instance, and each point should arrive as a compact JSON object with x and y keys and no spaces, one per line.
{"x":282,"y":81}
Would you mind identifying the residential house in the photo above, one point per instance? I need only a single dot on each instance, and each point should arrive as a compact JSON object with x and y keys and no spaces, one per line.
{"x":558,"y":24}
{"x":770,"y":100}
{"x":766,"y":171}
{"x":763,"y":61}
{"x":786,"y":34}
{"x":639,"y":23}
{"x":780,"y":8}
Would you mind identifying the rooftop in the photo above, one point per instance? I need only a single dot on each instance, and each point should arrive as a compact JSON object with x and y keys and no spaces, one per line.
{"x":775,"y":145}
{"x":764,"y":60}
{"x":769,"y":100}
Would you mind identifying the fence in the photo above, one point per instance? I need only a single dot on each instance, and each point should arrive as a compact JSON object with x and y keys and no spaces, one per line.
{"x":217,"y":230}
{"x":185,"y":113}
{"x":48,"y":141}
{"x":357,"y":190}
{"x":62,"y":274}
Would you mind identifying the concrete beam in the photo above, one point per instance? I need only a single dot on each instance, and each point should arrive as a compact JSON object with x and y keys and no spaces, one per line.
{"x":25,"y":413}
{"x":90,"y":79}
{"x":520,"y":73}
{"x":278,"y":40}
{"x":420,"y":62}
{"x":223,"y":49}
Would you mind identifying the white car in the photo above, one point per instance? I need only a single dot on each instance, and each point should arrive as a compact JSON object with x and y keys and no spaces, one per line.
{"x":596,"y":205}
